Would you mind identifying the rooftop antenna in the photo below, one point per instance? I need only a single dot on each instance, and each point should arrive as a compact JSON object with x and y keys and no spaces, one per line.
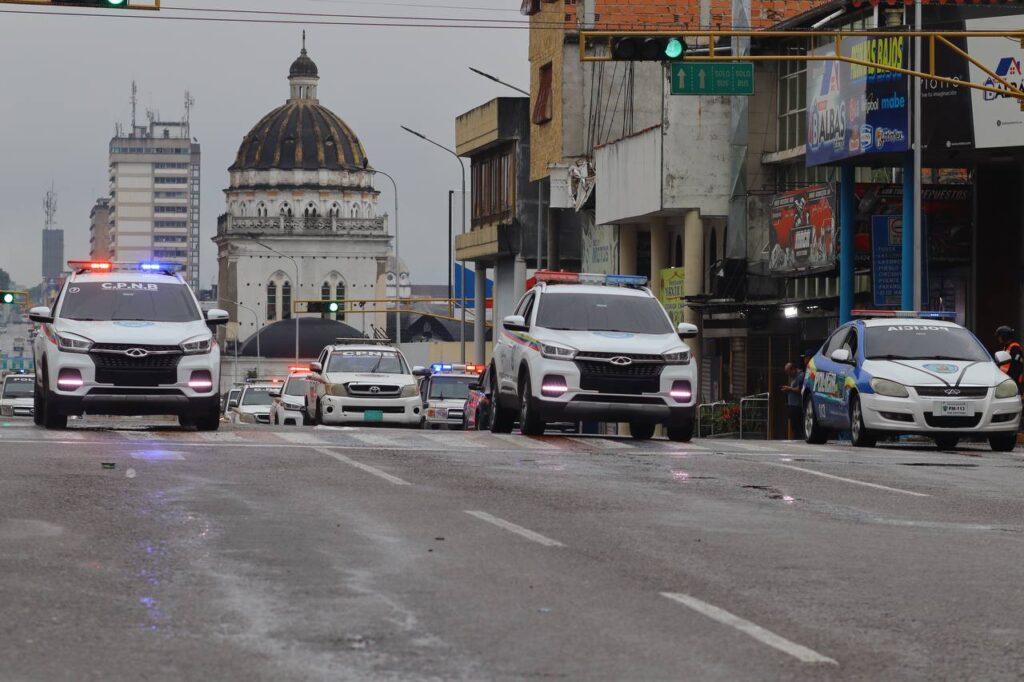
{"x":303,"y":41}
{"x":50,"y":206}
{"x":135,"y":103}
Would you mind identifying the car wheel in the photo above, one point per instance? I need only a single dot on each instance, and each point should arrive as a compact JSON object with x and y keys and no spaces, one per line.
{"x":681,"y":433}
{"x":502,"y":418}
{"x":209,"y":421}
{"x":318,"y":416}
{"x":1003,"y":442}
{"x":530,"y":423}
{"x":947,"y":442}
{"x":51,"y":419}
{"x":306,"y":421}
{"x":186,"y":421}
{"x":814,"y":433}
{"x":859,"y":434}
{"x":37,"y":406}
{"x":641,"y":431}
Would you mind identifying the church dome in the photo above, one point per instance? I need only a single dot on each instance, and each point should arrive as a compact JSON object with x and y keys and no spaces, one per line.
{"x":301,"y":135}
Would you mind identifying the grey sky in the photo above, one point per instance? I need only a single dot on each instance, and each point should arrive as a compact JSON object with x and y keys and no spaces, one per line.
{"x":66,"y":80}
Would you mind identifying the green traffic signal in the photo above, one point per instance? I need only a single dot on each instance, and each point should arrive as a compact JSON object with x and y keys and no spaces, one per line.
{"x":8,"y":298}
{"x":333,"y":307}
{"x":646,"y":48}
{"x":110,"y":4}
{"x":674,"y":48}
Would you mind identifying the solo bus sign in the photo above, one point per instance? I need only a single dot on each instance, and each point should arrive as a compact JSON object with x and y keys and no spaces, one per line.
{"x":854,"y":109}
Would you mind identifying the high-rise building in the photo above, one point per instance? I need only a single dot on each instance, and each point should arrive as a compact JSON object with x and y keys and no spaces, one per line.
{"x":154,"y":196}
{"x":53,"y":239}
{"x":99,"y":230}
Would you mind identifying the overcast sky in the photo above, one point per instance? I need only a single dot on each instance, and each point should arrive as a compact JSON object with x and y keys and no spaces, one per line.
{"x":66,"y":81}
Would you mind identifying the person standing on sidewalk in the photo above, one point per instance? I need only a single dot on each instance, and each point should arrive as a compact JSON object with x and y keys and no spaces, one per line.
{"x":794,"y":411}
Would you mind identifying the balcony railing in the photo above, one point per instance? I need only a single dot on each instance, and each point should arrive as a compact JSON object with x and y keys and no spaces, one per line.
{"x":303,"y":225}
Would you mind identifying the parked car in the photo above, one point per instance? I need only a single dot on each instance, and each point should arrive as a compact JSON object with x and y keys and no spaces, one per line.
{"x":16,"y":397}
{"x":254,"y":403}
{"x":476,"y":413}
{"x":445,"y":393}
{"x":289,"y":405}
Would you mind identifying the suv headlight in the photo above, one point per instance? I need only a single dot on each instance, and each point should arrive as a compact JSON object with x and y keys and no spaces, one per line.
{"x":553,"y":351}
{"x":197,"y":345}
{"x":679,"y":357}
{"x":889,"y":388}
{"x":410,"y":391}
{"x":69,"y":343}
{"x":337,"y":390}
{"x":1007,"y":389}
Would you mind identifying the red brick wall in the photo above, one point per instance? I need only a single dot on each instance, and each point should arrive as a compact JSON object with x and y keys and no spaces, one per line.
{"x":668,"y":14}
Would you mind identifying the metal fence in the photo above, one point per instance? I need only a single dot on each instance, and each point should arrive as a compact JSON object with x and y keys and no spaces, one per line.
{"x":754,"y":417}
{"x":746,"y":418}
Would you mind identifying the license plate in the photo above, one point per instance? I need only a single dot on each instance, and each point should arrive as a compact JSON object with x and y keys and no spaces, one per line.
{"x":373,"y":416}
{"x":955,"y":409}
{"x":441,"y":413}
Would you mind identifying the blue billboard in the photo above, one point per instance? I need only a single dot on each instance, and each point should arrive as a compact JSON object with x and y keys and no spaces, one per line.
{"x":855,"y":109}
{"x":887,"y":260}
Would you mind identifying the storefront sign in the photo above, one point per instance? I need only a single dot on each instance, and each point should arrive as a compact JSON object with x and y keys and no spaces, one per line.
{"x":887,"y":261}
{"x":600,"y":246}
{"x":998,"y":118}
{"x":672,"y":293}
{"x":854,"y":109}
{"x":803,"y":235}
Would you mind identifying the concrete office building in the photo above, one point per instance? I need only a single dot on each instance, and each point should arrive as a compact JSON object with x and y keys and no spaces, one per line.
{"x":99,"y":230}
{"x":154,"y":196}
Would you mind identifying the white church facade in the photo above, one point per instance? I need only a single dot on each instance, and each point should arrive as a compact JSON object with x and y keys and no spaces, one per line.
{"x":302,"y":219}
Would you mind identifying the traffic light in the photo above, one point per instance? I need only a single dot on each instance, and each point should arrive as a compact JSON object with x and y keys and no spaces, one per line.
{"x":103,"y":4}
{"x":648,"y":49}
{"x":8,"y":297}
{"x":326,"y":308}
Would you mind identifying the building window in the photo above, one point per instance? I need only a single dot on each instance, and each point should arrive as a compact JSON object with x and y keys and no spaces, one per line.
{"x":271,"y":302}
{"x":261,"y":210}
{"x":542,"y":108}
{"x":334,"y":211}
{"x":355,"y":211}
{"x":286,"y":210}
{"x":311,"y":210}
{"x":493,"y":190}
{"x":792,"y":105}
{"x":286,"y":301}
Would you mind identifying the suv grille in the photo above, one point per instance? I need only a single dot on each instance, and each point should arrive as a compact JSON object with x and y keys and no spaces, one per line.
{"x":952,"y":392}
{"x":599,"y":373}
{"x":951,"y":422}
{"x":367,"y":390}
{"x":113,"y":366}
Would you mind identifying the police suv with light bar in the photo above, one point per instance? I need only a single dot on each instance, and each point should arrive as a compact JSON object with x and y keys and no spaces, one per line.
{"x":445,"y":392}
{"x":908,"y":373}
{"x":126,"y":339}
{"x":593,"y":347}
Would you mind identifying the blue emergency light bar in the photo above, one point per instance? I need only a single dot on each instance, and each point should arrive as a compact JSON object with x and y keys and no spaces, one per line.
{"x":121,"y":266}
{"x":909,"y":314}
{"x":559,"y":277}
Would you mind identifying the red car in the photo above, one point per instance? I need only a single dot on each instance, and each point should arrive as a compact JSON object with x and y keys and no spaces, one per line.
{"x":476,"y":415}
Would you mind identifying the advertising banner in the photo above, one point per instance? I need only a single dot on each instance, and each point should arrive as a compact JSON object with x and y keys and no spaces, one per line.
{"x":998,"y":119}
{"x":803,"y":231}
{"x":600,"y":247}
{"x":854,"y":109}
{"x":887,"y":261}
{"x":672,"y":293}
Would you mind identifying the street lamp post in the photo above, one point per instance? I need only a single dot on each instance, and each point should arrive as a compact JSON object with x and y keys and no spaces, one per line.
{"x":462,"y":285}
{"x":259,"y":353}
{"x":295,"y":295}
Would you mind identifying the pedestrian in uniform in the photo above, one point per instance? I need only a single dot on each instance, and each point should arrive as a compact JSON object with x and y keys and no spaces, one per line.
{"x":794,"y":409}
{"x":1007,"y":339}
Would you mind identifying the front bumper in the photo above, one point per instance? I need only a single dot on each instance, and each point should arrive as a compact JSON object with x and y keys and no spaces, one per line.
{"x":344,"y":410}
{"x":577,"y":404}
{"x":291,"y":416}
{"x":444,"y":414}
{"x":922,"y":415}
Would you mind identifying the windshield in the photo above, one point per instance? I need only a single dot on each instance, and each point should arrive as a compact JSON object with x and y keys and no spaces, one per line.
{"x":296,"y":387}
{"x":450,"y":388}
{"x":596,"y":312}
{"x":921,"y":342}
{"x":257,"y":395}
{"x":18,"y":387}
{"x":129,"y":301}
{"x":366,"y":362}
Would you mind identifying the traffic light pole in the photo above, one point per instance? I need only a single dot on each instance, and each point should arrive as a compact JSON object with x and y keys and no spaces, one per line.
{"x":99,"y":4}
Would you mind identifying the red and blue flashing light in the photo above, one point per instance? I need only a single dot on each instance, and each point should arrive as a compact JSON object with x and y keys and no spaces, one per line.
{"x":561,"y":277}
{"x":907,"y":314}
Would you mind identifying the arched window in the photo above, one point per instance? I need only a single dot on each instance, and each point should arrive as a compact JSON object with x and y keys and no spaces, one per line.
{"x":334,"y":211}
{"x":261,"y":210}
{"x":311,"y":210}
{"x":354,"y":212}
{"x":286,"y":301}
{"x":286,"y":210}
{"x":366,"y":210}
{"x":271,"y":302}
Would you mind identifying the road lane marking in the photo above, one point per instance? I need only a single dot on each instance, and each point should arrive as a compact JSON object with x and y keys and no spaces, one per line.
{"x":518,"y":530}
{"x":300,"y":438}
{"x":363,"y":467}
{"x":377,"y":440}
{"x":847,"y":480}
{"x":795,"y":650}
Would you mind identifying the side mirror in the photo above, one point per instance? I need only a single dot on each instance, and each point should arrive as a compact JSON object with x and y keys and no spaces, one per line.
{"x":842,"y":355}
{"x":42,"y":315}
{"x":316,"y":367}
{"x":515,"y":323}
{"x":232,"y":403}
{"x":687,"y":330}
{"x":275,"y":394}
{"x":1002,"y":357}
{"x":217,"y":316}
{"x":419,"y":371}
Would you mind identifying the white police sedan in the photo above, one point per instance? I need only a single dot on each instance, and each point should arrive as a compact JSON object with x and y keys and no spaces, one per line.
{"x":904,"y":375}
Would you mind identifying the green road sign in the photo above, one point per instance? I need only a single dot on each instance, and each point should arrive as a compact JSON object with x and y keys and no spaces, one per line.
{"x":713,"y":78}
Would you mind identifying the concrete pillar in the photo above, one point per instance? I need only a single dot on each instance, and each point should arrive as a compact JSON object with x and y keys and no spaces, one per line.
{"x":847,"y":215}
{"x":480,"y":314}
{"x":693,"y":282}
{"x":907,"y":301}
{"x":554,"y":260}
{"x":659,"y":253}
{"x":518,"y":281}
{"x":504,"y":288}
{"x":627,"y":250}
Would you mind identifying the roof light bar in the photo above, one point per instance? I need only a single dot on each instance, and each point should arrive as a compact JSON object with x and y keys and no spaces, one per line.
{"x":560,"y":277}
{"x":909,"y":314}
{"x":87,"y":265}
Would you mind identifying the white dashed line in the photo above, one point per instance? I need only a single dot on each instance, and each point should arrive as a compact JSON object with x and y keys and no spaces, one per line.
{"x":513,"y":528}
{"x":300,"y":437}
{"x":395,"y":480}
{"x":797,"y":651}
{"x":847,"y":480}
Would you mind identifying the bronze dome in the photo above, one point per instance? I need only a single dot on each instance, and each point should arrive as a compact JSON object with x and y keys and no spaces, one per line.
{"x":300,"y":135}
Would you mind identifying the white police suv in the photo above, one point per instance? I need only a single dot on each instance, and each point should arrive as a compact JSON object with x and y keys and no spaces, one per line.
{"x":359,"y":380}
{"x":16,"y":396}
{"x":907,"y":375}
{"x":445,"y":392}
{"x":593,"y":347}
{"x":126,"y":339}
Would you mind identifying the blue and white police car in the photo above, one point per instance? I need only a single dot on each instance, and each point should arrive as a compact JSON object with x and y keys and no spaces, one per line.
{"x":900,"y":374}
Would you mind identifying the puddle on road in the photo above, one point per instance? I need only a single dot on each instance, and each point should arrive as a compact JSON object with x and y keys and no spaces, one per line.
{"x":951,"y":465}
{"x":772,"y":493}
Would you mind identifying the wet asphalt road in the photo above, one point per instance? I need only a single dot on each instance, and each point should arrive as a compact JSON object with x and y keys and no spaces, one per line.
{"x":379,"y":554}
